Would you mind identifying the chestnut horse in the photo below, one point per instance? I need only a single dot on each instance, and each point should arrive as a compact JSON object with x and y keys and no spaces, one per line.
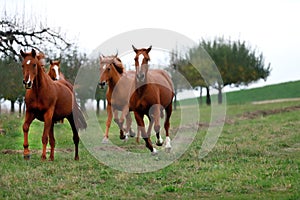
{"x":48,"y":101}
{"x":56,"y":75}
{"x":119,"y":83}
{"x":153,"y":92}
{"x":54,"y":70}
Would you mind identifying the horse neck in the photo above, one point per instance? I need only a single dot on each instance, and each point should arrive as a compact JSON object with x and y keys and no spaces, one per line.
{"x":141,"y":87}
{"x":114,"y":80}
{"x":40,"y":79}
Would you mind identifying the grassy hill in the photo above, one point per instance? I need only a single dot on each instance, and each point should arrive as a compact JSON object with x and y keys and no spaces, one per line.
{"x":270,"y":92}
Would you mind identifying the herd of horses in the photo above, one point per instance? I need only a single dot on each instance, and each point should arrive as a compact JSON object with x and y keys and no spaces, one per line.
{"x":145,"y":92}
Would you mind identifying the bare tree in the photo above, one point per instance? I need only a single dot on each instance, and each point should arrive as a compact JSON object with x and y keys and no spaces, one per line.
{"x":15,"y":34}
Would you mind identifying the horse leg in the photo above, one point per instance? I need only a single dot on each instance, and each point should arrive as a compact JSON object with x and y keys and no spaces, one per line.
{"x":128,"y":125}
{"x":52,"y":142}
{"x":156,"y":118}
{"x":108,"y":122}
{"x":151,"y":122}
{"x":125,"y":114}
{"x":29,"y":117}
{"x":141,"y":128}
{"x":120,"y":123}
{"x":167,"y":126}
{"x":75,"y":135}
{"x":47,"y":128}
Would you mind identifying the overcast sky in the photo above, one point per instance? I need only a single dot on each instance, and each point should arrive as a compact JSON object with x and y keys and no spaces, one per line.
{"x":272,"y":27}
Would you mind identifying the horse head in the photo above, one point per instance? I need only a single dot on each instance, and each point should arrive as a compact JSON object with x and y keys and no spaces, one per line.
{"x":30,"y":65}
{"x":141,"y":63}
{"x":54,"y":69}
{"x":110,"y":68}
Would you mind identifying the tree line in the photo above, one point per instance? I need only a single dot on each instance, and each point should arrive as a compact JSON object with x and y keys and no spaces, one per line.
{"x":236,"y":62}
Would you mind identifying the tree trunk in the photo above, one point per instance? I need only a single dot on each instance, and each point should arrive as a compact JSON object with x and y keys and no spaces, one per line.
{"x":104,"y":104}
{"x":208,"y":100}
{"x":200,"y":97}
{"x":12,"y":106}
{"x":20,"y":109}
{"x":24,"y":108}
{"x":220,"y":97}
{"x":98,"y":107}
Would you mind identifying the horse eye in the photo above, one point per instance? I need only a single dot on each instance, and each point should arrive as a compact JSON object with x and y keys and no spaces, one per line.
{"x":34,"y":65}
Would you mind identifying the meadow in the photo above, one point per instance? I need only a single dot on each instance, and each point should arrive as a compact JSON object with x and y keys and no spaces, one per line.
{"x":257,"y":156}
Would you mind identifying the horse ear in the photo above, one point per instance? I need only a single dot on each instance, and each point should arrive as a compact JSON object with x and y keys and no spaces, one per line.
{"x":58,"y":62}
{"x":22,"y":53}
{"x":149,"y":49}
{"x":33,"y":53}
{"x":135,"y":49}
{"x":51,"y":62}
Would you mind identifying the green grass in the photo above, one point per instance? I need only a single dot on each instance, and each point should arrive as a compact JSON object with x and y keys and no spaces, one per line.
{"x":256,"y":157}
{"x":276,"y":91}
{"x":270,"y":92}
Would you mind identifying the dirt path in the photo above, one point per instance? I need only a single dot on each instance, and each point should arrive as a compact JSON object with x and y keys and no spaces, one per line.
{"x":276,"y":101}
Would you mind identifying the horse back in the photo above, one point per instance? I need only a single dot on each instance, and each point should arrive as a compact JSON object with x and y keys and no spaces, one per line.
{"x":163,"y":82}
{"x":64,"y":101}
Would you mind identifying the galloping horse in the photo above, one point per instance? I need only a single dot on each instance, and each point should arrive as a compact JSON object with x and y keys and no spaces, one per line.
{"x":48,"y":101}
{"x":153,"y":93}
{"x":119,"y":83}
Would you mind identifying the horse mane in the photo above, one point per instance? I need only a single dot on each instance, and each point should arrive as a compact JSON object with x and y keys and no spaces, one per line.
{"x":117,"y":63}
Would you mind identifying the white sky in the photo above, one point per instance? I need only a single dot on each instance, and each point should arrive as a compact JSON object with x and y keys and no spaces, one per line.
{"x":270,"y":26}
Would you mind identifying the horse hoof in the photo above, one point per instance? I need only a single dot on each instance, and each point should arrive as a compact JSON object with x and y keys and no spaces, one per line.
{"x":27,"y":157}
{"x":76,"y":158}
{"x":159,"y":143}
{"x":105,"y":140}
{"x":131,"y":133}
{"x":123,"y":137}
{"x":154,"y":152}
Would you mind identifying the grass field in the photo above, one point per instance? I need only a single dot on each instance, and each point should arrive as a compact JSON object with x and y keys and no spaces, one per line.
{"x":257,"y":157}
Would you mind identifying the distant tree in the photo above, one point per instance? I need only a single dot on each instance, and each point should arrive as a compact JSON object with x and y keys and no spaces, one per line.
{"x":14,"y":35}
{"x":11,"y":87}
{"x":100,"y":95}
{"x":195,"y":68}
{"x":175,"y":64}
{"x":238,"y":63}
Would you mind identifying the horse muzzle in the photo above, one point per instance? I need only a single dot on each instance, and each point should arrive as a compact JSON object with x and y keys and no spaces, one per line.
{"x":27,"y":84}
{"x":101,"y":84}
{"x":140,"y":77}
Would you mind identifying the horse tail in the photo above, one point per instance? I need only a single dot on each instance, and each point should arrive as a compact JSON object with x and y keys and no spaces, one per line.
{"x":79,"y":118}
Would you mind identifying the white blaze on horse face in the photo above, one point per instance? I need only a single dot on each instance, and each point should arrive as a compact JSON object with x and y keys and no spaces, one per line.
{"x":56,"y":71}
{"x":104,"y":67}
{"x":141,"y":58}
{"x":28,"y":62}
{"x":28,"y":81}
